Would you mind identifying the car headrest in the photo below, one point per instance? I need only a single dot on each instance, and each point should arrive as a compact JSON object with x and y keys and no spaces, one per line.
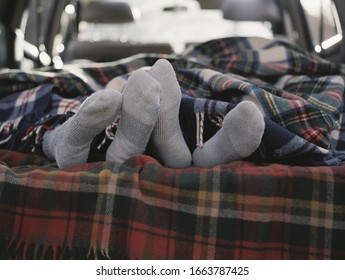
{"x":107,"y":12}
{"x":251,"y":10}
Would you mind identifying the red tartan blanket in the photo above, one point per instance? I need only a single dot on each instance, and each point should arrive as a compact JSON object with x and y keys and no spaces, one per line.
{"x":142,"y":210}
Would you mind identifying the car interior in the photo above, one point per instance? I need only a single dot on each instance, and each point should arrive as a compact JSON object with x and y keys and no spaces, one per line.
{"x":73,"y":30}
{"x":284,"y":201}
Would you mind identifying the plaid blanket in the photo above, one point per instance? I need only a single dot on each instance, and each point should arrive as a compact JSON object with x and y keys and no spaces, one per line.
{"x":300,"y":94}
{"x":259,"y":209}
{"x":141,"y":210}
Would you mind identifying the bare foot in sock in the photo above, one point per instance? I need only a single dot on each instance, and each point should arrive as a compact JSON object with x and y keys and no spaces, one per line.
{"x":238,"y":138}
{"x":167,"y":139}
{"x":69,"y":144}
{"x":140,"y":107}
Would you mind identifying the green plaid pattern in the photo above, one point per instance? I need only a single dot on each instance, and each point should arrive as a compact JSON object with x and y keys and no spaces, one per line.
{"x":241,"y":210}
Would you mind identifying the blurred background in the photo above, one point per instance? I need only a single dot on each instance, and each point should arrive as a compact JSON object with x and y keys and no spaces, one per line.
{"x":35,"y":33}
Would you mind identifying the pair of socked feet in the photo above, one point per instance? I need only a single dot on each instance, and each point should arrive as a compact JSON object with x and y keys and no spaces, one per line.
{"x":149,"y":107}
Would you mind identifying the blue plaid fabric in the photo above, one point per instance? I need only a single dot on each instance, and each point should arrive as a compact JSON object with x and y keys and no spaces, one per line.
{"x":300,"y":95}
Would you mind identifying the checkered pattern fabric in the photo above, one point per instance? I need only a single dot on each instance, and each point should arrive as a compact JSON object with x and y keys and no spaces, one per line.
{"x":142,"y":210}
{"x":301,"y":95}
{"x":262,"y":209}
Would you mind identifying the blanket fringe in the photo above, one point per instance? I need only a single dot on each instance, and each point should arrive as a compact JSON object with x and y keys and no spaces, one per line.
{"x":95,"y":253}
{"x":27,"y":250}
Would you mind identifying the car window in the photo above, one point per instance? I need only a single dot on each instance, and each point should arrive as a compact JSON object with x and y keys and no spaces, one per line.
{"x":324,"y":24}
{"x":176,"y":22}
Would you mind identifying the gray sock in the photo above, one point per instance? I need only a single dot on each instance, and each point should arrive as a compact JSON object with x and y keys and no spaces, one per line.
{"x":167,"y":139}
{"x":140,"y":107}
{"x":238,"y":138}
{"x":69,"y":144}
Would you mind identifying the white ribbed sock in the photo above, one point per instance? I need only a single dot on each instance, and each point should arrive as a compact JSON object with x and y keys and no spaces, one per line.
{"x":167,"y":139}
{"x":238,"y":138}
{"x":69,"y":143}
{"x":140,"y":107}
